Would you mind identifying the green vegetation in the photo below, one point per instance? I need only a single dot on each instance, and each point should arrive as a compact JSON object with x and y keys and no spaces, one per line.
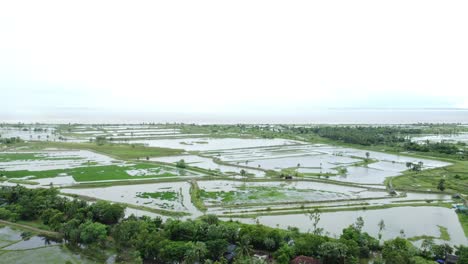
{"x":6,"y":157}
{"x":362,"y":135}
{"x":9,"y":141}
{"x":23,"y":182}
{"x":444,"y":235}
{"x":250,"y":194}
{"x":169,"y":195}
{"x":100,"y":173}
{"x":464,"y":222}
{"x":121,"y":151}
{"x":100,"y":226}
{"x":196,"y":196}
{"x":225,"y":197}
{"x":455,"y":179}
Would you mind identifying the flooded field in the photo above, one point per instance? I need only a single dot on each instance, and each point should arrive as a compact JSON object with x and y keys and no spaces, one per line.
{"x":203,"y":144}
{"x":52,"y":160}
{"x":39,"y":133}
{"x":423,"y":221}
{"x":350,"y":165}
{"x":173,"y":196}
{"x":66,"y":167}
{"x":233,"y":177}
{"x":34,"y":249}
{"x":238,"y":192}
{"x":208,"y":164}
{"x":450,"y":138}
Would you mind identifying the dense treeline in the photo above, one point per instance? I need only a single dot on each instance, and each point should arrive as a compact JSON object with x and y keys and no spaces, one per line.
{"x":363,"y":135}
{"x":445,"y":148}
{"x":11,"y":140}
{"x":101,"y":226}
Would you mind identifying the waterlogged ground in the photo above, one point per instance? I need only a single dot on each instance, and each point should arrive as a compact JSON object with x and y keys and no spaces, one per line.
{"x":34,"y":249}
{"x":51,"y":160}
{"x":414,"y":221}
{"x":206,"y":143}
{"x":238,"y":192}
{"x":173,"y":196}
{"x":30,"y":133}
{"x":350,"y":165}
{"x":452,"y":138}
{"x":66,"y":167}
{"x":254,"y":195}
{"x":208,"y":164}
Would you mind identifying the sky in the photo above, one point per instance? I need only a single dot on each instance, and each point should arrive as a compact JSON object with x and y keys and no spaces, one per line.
{"x":241,"y":57}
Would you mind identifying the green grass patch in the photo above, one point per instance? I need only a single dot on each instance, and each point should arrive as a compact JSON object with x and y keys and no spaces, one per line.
{"x":444,"y":235}
{"x":169,"y":195}
{"x":225,"y":197}
{"x":121,"y":151}
{"x":456,"y":179}
{"x":464,"y":222}
{"x":196,"y":196}
{"x":417,"y":238}
{"x":6,"y":157}
{"x":23,"y":182}
{"x":109,"y":172}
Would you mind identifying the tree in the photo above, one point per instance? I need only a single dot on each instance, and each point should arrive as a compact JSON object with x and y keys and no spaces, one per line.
{"x":243,"y":246}
{"x":284,"y":254}
{"x":359,"y":224}
{"x":196,"y":252}
{"x":426,"y":247}
{"x":269,"y":243}
{"x":381,"y":228}
{"x":210,"y":219}
{"x":172,"y":251}
{"x":216,"y":248}
{"x":53,"y":218}
{"x":92,"y":232}
{"x":441,"y":185}
{"x":398,"y":251}
{"x":367,"y":156}
{"x":409,"y":165}
{"x":441,"y":251}
{"x":333,"y":252}
{"x":100,"y":140}
{"x":181,"y":164}
{"x":315,"y":218}
{"x":462,"y":253}
{"x":243,"y":173}
{"x":107,"y":213}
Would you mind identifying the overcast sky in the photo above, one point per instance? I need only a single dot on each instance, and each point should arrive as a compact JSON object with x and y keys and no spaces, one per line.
{"x":239,"y":56}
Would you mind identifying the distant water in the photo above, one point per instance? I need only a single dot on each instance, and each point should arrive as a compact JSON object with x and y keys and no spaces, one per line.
{"x":334,"y":116}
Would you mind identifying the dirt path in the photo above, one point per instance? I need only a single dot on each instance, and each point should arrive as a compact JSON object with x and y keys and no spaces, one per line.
{"x":34,"y":229}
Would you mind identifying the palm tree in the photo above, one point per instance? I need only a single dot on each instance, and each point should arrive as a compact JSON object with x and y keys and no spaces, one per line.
{"x":196,"y":252}
{"x":243,"y":246}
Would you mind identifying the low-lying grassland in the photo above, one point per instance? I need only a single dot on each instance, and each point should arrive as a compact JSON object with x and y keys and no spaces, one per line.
{"x":455,"y":176}
{"x":101,"y":173}
{"x":121,"y":151}
{"x":168,"y":195}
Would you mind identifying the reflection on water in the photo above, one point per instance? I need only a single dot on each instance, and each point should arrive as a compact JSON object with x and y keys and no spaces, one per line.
{"x":415,"y":221}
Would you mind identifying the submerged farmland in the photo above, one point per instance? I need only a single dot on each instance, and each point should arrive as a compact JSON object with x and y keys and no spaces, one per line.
{"x":186,"y":172}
